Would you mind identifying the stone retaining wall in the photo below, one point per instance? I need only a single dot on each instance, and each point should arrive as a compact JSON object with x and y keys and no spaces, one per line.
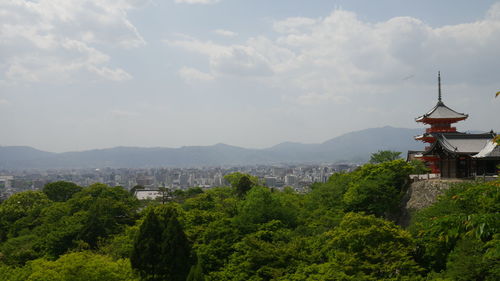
{"x":421,"y":194}
{"x":424,"y":193}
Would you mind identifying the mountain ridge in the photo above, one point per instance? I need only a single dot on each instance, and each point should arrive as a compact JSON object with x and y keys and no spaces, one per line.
{"x":353,"y":147}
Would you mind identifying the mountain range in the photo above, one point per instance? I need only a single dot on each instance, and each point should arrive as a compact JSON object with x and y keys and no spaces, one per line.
{"x":353,"y":147}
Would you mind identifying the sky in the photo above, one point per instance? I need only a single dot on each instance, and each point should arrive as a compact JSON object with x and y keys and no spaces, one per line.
{"x":89,"y":74}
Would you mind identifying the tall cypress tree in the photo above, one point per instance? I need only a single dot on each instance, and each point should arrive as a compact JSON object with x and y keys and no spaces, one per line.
{"x":161,"y":250}
{"x":196,"y":273}
{"x":146,"y":249}
{"x":175,"y":249}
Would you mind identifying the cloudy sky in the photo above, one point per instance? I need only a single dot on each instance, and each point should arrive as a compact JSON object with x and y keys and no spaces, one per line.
{"x":83,"y":74}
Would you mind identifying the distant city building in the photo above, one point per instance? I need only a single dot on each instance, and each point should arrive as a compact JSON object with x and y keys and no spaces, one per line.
{"x":291,"y":180}
{"x":6,"y":181}
{"x":143,"y":194}
{"x":300,"y":177}
{"x":183,"y":180}
{"x":146,"y":181}
{"x":270,"y":181}
{"x":279,"y":171}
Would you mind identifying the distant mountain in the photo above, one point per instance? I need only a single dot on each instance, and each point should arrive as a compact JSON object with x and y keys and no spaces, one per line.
{"x":354,"y":147}
{"x":24,"y":157}
{"x":351,"y":147}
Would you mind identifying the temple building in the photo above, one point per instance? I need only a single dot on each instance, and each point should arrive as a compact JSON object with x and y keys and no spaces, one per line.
{"x":453,"y":154}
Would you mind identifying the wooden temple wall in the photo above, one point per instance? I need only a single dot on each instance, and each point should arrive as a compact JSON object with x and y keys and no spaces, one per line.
{"x":448,"y":168}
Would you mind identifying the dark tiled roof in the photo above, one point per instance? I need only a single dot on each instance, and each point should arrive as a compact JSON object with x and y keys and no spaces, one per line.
{"x":441,"y":111}
{"x":461,"y":143}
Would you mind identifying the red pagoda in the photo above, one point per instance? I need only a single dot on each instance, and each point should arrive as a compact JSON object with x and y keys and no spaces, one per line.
{"x":440,"y":118}
{"x":453,"y":154}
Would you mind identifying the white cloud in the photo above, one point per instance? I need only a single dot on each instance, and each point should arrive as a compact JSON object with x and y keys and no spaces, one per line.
{"x":52,"y":40}
{"x":74,"y":60}
{"x":317,"y":60}
{"x":241,"y":61}
{"x":192,"y":75}
{"x":197,"y":1}
{"x":294,"y":25}
{"x":113,"y":74}
{"x":4,"y":102}
{"x":236,"y":60}
{"x":202,"y":47}
{"x":226,"y":33}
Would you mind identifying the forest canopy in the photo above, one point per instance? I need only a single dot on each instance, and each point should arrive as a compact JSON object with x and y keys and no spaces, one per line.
{"x":344,"y":229}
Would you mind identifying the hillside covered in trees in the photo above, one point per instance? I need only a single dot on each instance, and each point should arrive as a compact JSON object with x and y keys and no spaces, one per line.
{"x":341,"y":230}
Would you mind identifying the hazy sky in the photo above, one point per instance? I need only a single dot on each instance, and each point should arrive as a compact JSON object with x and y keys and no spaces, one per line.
{"x":82,"y":74}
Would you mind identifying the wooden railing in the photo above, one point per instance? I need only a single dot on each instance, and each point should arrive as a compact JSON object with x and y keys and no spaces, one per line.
{"x":440,"y":130}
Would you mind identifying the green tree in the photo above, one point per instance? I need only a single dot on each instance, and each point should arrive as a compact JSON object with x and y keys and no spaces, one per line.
{"x":18,"y":250}
{"x":215,"y":244}
{"x":266,"y":254}
{"x":107,"y":209}
{"x":220,"y":199}
{"x":234,"y":179}
{"x":377,"y":188}
{"x":60,"y":191}
{"x":161,"y":250}
{"x":100,"y":223}
{"x":419,"y":167}
{"x":260,"y":206}
{"x":121,"y":245}
{"x":80,"y":266}
{"x":193,"y":191}
{"x":243,"y":186}
{"x":91,"y":215}
{"x":323,"y":205}
{"x":215,"y":204}
{"x":372,"y":196}
{"x":384,"y":156}
{"x":21,"y":211}
{"x":196,"y":273}
{"x":466,"y":211}
{"x":467,"y":262}
{"x":61,"y":235}
{"x":145,"y":254}
{"x":175,"y":250}
{"x":9,"y":273}
{"x":491,"y":257}
{"x":166,"y":194}
{"x":370,"y":247}
{"x":180,"y":195}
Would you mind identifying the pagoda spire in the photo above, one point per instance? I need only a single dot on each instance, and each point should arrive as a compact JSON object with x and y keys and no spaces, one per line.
{"x":439,"y":86}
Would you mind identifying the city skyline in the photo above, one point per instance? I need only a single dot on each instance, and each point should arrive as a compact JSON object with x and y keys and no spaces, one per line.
{"x":78,"y":75}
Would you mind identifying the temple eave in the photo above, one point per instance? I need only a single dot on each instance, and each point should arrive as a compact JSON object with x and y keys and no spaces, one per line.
{"x":427,"y":120}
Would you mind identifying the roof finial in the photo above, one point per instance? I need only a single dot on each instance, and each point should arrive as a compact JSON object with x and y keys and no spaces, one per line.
{"x":439,"y":86}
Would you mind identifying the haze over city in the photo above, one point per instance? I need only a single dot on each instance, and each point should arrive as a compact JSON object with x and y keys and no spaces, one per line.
{"x":77,"y":75}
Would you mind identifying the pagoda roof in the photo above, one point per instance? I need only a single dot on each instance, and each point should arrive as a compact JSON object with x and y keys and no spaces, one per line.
{"x":460,"y":143}
{"x":491,"y":149}
{"x":441,"y":111}
{"x":433,"y":135}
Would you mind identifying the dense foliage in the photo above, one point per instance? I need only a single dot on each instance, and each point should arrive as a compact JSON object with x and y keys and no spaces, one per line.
{"x":161,"y":250}
{"x":458,"y":237}
{"x":344,"y":229}
{"x":384,"y":156}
